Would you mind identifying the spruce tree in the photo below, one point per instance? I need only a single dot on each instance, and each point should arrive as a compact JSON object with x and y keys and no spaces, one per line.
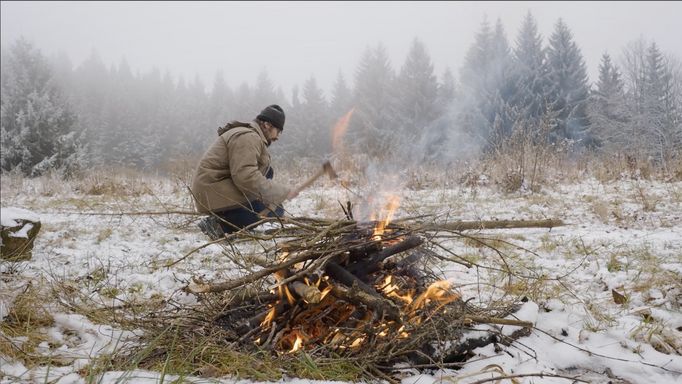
{"x":568,"y":89}
{"x":221,"y":102}
{"x":608,"y":110}
{"x":417,"y":88}
{"x":488,"y":86}
{"x":37,"y":124}
{"x":314,"y":121}
{"x":371,"y":128}
{"x":342,"y":98}
{"x":447,"y":92}
{"x":530,"y":75}
{"x":661,"y":105}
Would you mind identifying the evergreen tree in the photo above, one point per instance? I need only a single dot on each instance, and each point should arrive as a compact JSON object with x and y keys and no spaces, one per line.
{"x":371,"y":129}
{"x":263,"y":94}
{"x":243,"y":105}
{"x":488,"y":86}
{"x":661,"y":105}
{"x":90,"y":99}
{"x":221,"y":102}
{"x":37,"y":124}
{"x":314,"y":121}
{"x":447,"y":92}
{"x":293,"y":141}
{"x":608,"y":111}
{"x":342,"y":98}
{"x":568,"y":92}
{"x":417,"y":93}
{"x":530,"y":74}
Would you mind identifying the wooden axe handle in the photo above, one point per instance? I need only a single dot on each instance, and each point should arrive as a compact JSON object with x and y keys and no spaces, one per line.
{"x":311,"y":180}
{"x":301,"y":187}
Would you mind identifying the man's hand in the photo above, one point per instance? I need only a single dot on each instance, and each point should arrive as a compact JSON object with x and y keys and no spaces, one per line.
{"x":293,"y":193}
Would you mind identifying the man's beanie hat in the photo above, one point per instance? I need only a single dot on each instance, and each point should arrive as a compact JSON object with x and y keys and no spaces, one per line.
{"x":273,"y":114}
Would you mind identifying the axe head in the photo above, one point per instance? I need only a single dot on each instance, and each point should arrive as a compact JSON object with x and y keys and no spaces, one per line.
{"x":329,"y":170}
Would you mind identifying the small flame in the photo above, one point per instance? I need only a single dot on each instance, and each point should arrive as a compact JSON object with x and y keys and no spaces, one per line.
{"x":439,"y":291}
{"x":387,"y":214}
{"x":283,"y":256}
{"x":357,"y":342}
{"x":297,"y":344}
{"x":284,"y":292}
{"x":339,"y":130}
{"x":325,"y":292}
{"x":391,"y":289}
{"x":269,"y":318}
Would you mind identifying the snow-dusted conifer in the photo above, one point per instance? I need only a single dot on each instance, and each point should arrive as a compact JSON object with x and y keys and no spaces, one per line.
{"x":220,"y":102}
{"x":661,"y":105}
{"x":530,"y":74}
{"x":342,"y":97}
{"x":371,"y":129}
{"x":417,"y":88}
{"x":314,"y":119}
{"x":488,"y":85}
{"x":568,"y":89}
{"x":37,"y":123}
{"x":608,"y":109}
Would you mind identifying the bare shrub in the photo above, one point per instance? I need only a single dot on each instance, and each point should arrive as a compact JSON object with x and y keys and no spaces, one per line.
{"x":523,"y":159}
{"x":181,"y":170}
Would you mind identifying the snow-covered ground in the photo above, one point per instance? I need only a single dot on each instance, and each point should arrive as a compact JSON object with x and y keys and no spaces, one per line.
{"x":623,"y":236}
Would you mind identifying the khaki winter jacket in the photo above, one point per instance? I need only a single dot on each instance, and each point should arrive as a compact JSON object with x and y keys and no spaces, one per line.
{"x":232,"y":172}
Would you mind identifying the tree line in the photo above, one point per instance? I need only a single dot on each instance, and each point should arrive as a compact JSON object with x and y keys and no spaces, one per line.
{"x":55,"y":116}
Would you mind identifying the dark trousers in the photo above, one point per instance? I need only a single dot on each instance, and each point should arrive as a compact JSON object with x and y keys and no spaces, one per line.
{"x":241,"y":217}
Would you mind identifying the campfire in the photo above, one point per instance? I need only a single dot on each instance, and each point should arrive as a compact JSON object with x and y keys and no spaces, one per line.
{"x":353,"y":290}
{"x":349,"y":289}
{"x":368,"y":291}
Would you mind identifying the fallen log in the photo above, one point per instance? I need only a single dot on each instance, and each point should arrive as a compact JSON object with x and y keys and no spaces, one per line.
{"x":492,"y":224}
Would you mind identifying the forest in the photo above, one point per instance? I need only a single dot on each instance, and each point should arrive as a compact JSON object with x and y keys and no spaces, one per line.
{"x":523,"y":88}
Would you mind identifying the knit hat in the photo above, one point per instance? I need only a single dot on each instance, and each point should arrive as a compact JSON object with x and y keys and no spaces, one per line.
{"x":273,"y":114}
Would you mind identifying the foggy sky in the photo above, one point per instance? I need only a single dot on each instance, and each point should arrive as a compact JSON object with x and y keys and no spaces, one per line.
{"x":294,"y":40}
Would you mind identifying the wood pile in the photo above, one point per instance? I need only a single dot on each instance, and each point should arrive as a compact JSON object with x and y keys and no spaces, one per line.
{"x":351,"y":290}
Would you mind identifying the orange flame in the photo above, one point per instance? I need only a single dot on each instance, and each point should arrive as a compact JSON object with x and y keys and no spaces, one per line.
{"x":283,"y":291}
{"x":297,"y":344}
{"x":325,"y":292}
{"x":387,"y":214}
{"x":391,"y":289}
{"x":357,"y":342}
{"x":340,"y":129}
{"x":439,"y":291}
{"x":269,"y":318}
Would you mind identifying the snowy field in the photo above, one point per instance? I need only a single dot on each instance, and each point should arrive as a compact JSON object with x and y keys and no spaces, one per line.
{"x":623,"y":236}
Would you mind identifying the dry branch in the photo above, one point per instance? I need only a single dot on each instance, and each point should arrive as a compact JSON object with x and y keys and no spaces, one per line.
{"x":492,"y":224}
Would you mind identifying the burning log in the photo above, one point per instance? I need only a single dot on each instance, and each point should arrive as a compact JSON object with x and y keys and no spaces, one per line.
{"x":308,"y":293}
{"x":343,"y":276}
{"x":372,"y":265}
{"x":354,"y":295}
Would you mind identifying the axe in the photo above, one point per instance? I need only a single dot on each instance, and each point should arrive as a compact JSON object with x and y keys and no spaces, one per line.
{"x":326,"y":169}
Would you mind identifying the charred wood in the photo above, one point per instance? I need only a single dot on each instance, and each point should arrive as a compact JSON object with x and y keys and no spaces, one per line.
{"x":373,"y":264}
{"x":356,"y":296}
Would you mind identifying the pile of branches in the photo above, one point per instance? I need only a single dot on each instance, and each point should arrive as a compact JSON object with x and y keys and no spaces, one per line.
{"x":342,"y":290}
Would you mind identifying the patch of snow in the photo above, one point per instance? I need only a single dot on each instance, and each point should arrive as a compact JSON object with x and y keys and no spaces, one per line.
{"x":10,"y":215}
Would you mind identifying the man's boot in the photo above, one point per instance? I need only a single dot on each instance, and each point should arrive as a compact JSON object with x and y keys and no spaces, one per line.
{"x":211,"y":228}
